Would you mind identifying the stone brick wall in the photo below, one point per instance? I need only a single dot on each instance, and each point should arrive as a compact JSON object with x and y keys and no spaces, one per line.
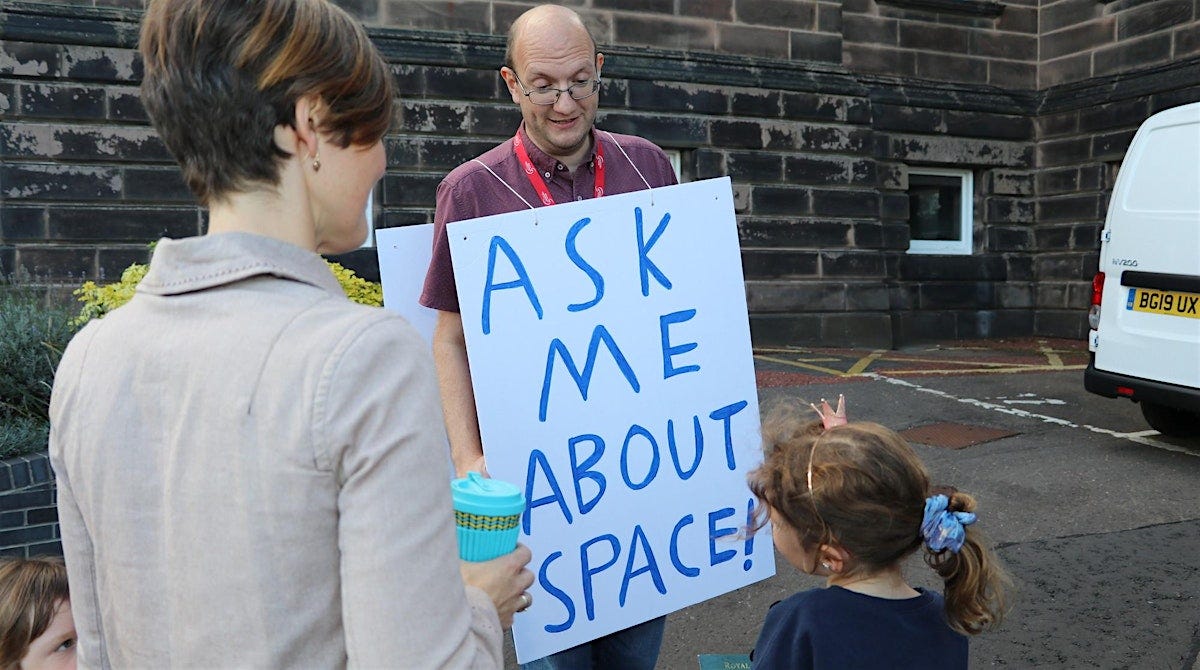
{"x":28,"y":512}
{"x":1080,"y":39}
{"x":817,"y":140}
{"x":947,"y":40}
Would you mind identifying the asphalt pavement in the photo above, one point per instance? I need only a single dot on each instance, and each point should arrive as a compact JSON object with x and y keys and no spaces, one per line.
{"x":1095,"y":515}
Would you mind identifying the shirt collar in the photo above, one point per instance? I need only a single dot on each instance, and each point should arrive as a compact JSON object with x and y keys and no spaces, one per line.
{"x":546,"y":163}
{"x":198,"y":263}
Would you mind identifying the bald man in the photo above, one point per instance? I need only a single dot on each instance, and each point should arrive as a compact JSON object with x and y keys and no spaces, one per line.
{"x":552,"y":71}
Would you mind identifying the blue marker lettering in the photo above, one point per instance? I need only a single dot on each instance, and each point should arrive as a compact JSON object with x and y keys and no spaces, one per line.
{"x":652,"y":470}
{"x":522,"y":280}
{"x":685,"y":570}
{"x":651,"y":566}
{"x":538,"y":459}
{"x":685,"y":474}
{"x":646,"y":265}
{"x":573,"y":254}
{"x":714,"y":534}
{"x":723,"y":414}
{"x":588,"y":572}
{"x":584,"y":380}
{"x":583,"y":470}
{"x":668,"y":351}
{"x":558,"y":593}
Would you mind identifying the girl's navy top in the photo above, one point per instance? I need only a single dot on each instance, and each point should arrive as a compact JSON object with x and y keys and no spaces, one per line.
{"x":834,"y":628}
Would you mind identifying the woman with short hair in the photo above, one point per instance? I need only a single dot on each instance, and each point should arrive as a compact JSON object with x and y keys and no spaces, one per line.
{"x":252,"y":470}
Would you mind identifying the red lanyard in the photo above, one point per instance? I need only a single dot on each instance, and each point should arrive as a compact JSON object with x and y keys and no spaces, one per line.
{"x":536,"y":179}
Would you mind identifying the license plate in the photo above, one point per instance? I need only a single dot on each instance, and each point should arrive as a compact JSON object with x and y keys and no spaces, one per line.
{"x":1173,"y":303}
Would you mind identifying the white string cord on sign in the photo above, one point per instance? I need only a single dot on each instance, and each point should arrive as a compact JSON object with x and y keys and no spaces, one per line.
{"x":641,"y":176}
{"x":635,"y":167}
{"x":507,"y":186}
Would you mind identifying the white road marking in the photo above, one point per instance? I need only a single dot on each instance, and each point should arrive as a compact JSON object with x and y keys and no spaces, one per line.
{"x":1141,"y":437}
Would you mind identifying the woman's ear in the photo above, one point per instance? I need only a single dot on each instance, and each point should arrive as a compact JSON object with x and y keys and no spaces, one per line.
{"x":308,"y":112}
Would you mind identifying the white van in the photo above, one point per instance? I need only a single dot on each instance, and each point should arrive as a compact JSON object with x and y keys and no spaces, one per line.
{"x":1145,"y":315}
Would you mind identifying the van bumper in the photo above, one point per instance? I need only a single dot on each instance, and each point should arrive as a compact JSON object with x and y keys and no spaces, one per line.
{"x":1106,"y":383}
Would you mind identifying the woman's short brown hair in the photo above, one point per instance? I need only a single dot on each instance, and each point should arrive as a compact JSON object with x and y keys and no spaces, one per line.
{"x":30,"y":593}
{"x":220,"y":75}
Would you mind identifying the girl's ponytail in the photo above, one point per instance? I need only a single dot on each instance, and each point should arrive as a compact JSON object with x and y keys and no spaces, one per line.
{"x":974,"y":579}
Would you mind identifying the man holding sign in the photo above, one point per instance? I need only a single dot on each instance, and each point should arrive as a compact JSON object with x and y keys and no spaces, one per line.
{"x":552,"y":70}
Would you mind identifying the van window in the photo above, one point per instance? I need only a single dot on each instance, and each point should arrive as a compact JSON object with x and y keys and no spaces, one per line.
{"x":1166,"y":174}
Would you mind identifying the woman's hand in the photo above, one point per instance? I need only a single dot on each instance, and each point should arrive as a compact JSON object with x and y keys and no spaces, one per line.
{"x":504,"y":579}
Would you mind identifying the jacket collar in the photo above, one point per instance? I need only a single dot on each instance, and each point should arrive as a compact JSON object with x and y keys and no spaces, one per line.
{"x":198,"y":263}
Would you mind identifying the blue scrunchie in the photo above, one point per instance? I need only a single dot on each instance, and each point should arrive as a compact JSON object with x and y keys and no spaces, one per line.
{"x":942,"y":529}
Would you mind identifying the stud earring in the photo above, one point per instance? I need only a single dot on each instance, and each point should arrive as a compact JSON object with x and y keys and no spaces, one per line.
{"x":316,"y":163}
{"x":826,"y":566}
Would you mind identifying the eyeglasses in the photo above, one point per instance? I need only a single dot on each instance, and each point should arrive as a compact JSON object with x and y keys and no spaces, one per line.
{"x":548,"y":95}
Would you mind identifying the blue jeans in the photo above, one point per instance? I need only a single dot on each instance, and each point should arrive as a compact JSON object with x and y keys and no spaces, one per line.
{"x":634,"y":648}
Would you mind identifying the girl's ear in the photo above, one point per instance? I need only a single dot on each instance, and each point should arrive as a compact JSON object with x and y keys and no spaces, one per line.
{"x":833,"y":558}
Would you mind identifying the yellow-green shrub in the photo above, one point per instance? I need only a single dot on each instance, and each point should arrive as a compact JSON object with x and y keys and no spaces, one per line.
{"x":99,"y":300}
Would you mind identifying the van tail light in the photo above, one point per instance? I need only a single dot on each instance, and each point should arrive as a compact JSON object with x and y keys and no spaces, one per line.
{"x":1125,"y":391}
{"x":1097,"y":294}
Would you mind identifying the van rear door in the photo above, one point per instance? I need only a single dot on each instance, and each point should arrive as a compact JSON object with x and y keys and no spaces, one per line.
{"x":1150,"y":315}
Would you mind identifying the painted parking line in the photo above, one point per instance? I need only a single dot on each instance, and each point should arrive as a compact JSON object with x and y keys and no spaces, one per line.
{"x":877,"y":358}
{"x":1145,"y":437}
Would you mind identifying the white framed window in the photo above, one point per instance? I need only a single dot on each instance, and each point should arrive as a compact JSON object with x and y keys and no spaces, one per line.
{"x":940,"y":211}
{"x":675,"y":156}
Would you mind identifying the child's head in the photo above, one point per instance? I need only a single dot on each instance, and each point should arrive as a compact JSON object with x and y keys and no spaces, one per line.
{"x":36,"y":629}
{"x":865,"y":509}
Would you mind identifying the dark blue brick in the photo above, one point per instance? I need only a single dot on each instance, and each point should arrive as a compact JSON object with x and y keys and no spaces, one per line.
{"x":39,"y":468}
{"x":101,"y":63}
{"x":432,"y":117}
{"x":845,"y":203}
{"x":780,"y":200}
{"x":447,"y":154}
{"x":61,"y":101}
{"x":754,"y":166}
{"x":126,"y":105}
{"x":112,"y":143}
{"x":744,"y":134}
{"x":25,"y":59}
{"x":56,"y":262}
{"x":499,"y":121}
{"x":676,"y":97}
{"x":120,"y":224}
{"x":757,"y":103}
{"x":26,"y":535}
{"x":666,"y":130}
{"x":42,"y":515}
{"x":11,"y":519}
{"x":464,"y":84}
{"x":402,"y":152}
{"x":20,"y":473}
{"x":46,"y":548}
{"x":22,"y":223}
{"x":59,"y":182}
{"x":410,"y":189}
{"x":156,"y":185}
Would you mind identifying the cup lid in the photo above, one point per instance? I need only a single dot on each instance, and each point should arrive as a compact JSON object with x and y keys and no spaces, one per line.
{"x":481,"y":495}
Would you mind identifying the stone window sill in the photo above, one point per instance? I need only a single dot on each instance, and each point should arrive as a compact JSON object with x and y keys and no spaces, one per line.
{"x":967,"y":7}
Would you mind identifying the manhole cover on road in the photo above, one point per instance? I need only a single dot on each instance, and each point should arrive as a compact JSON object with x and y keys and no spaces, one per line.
{"x":953,"y":435}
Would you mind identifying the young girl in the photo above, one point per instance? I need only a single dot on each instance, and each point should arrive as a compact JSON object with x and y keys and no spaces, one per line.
{"x":36,"y":628}
{"x":849,"y":501}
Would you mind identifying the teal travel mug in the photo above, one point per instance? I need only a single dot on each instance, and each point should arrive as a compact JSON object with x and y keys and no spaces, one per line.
{"x":487,"y":515}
